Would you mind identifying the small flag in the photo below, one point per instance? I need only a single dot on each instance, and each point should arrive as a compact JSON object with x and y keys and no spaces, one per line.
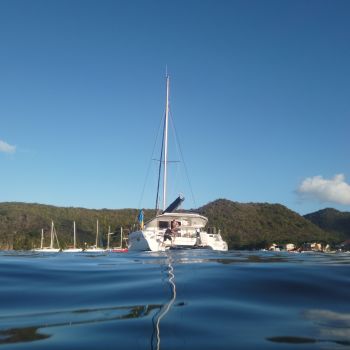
{"x":140,"y":219}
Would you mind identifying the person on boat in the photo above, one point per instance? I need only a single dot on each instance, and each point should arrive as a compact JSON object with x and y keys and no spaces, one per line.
{"x":168,"y":235}
{"x":174,"y":226}
{"x":198,"y":237}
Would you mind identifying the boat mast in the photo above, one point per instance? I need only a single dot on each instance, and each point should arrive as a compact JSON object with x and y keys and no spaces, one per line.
{"x":52,"y":237}
{"x":55,"y":236}
{"x":166,"y":141}
{"x":96,"y":233}
{"x":42,"y":239}
{"x":75,"y":241}
{"x":108,"y":236}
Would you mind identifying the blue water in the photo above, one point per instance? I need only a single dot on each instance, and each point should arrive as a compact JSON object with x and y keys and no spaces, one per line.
{"x":175,"y":300}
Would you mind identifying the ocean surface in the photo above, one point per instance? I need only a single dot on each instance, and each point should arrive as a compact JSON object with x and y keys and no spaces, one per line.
{"x":190,"y":299}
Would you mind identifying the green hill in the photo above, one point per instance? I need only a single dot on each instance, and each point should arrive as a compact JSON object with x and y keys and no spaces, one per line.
{"x":251,"y":225}
{"x":333,"y":221}
{"x":257,"y":225}
{"x":21,"y":224}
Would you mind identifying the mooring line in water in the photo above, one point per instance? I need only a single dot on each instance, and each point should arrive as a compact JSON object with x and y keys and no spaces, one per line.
{"x":166,"y":307}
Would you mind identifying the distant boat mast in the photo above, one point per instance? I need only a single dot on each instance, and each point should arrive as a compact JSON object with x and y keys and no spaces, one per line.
{"x":52,"y":235}
{"x":96,"y":233}
{"x":75,"y":239}
{"x":42,"y":239}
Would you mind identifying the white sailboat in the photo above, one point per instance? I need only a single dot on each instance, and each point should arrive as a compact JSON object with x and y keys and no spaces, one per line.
{"x":74,"y":249}
{"x":53,"y":237}
{"x":119,"y":249}
{"x":95,"y":248}
{"x":170,"y":229}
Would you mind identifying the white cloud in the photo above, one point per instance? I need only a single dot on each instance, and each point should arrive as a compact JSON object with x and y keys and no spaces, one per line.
{"x":6,"y":148}
{"x":334,"y":190}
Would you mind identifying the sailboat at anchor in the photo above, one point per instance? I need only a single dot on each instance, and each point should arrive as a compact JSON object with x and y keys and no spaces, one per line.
{"x":53,"y":238}
{"x":95,"y":248}
{"x":171,"y":229}
{"x":73,"y":249}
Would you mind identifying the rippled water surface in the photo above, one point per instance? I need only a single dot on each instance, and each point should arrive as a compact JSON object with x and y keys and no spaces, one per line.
{"x":191,"y":299}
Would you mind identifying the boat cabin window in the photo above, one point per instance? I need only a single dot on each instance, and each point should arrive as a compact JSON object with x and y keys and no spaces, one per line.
{"x":163,"y":224}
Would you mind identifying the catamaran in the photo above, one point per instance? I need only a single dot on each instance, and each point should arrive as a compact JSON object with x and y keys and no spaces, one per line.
{"x":53,"y":237}
{"x":171,"y":229}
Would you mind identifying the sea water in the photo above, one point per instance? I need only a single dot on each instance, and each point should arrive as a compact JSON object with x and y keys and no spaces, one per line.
{"x":190,"y":299}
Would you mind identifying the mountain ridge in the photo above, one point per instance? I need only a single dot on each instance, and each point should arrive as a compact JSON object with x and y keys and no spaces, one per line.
{"x":332,"y":220}
{"x":257,"y":225}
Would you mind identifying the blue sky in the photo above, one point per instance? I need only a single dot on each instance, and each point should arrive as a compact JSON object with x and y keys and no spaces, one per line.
{"x":259,"y":98}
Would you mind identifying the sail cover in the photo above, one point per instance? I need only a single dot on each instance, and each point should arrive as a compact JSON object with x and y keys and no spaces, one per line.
{"x":174,"y":205}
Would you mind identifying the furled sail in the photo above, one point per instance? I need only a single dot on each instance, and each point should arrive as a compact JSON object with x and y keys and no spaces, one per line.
{"x":174,"y":205}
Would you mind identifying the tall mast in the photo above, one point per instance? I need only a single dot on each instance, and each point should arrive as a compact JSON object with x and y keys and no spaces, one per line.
{"x":42,"y":239}
{"x":97,"y":233}
{"x":75,"y":240}
{"x":51,"y":243}
{"x":166,"y":141}
{"x":108,"y":236}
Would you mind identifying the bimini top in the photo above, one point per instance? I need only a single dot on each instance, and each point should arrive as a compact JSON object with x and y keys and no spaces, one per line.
{"x":188,"y":220}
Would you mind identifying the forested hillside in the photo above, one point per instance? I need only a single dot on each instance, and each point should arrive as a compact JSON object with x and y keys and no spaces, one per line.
{"x":21,"y":224}
{"x":333,"y":221}
{"x":256,"y":225}
{"x":251,"y":225}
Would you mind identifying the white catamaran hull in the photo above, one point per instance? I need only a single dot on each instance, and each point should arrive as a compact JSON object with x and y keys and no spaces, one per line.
{"x":222,"y":247}
{"x":146,"y":241}
{"x":213,"y":241}
{"x":151,"y":241}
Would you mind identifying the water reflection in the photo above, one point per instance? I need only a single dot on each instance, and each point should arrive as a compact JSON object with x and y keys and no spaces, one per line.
{"x":292,"y":340}
{"x":155,"y":340}
{"x":302,"y":340}
{"x":333,"y":327}
{"x":29,"y":327}
{"x":247,"y":258}
{"x":16,"y":335}
{"x":250,"y":259}
{"x":131,"y":301}
{"x":331,"y":324}
{"x":30,"y":322}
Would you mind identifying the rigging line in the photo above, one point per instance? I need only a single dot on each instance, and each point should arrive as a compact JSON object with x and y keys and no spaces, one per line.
{"x":149,"y":164}
{"x":177,"y":182}
{"x":177,"y":171}
{"x":182,"y":158}
{"x":159,"y":171}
